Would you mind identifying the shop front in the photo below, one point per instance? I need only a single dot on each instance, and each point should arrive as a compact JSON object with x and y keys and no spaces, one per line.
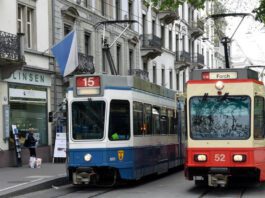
{"x":28,"y":100}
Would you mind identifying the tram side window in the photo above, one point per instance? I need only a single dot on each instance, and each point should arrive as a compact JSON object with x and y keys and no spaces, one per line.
{"x":147,"y":119}
{"x":258,"y":117}
{"x":170,"y":114}
{"x":138,"y":118}
{"x":119,"y":120}
{"x":163,"y":121}
{"x":156,"y":120}
{"x":184,"y":121}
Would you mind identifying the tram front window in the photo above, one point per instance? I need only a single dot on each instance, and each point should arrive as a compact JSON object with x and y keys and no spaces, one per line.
{"x":220,"y":117}
{"x":88,"y":120}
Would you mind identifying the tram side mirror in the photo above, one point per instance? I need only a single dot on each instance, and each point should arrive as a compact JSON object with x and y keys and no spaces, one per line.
{"x":50,"y":116}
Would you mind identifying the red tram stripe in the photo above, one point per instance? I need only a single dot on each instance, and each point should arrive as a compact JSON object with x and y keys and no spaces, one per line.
{"x":226,"y":81}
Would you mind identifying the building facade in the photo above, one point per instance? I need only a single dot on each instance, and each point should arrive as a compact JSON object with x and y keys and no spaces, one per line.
{"x":186,"y":43}
{"x":25,"y":77}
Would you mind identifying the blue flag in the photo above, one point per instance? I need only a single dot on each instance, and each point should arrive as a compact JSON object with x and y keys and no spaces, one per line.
{"x":66,"y":53}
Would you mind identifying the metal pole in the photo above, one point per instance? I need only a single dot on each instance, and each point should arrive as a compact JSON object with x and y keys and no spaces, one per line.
{"x":225,"y":41}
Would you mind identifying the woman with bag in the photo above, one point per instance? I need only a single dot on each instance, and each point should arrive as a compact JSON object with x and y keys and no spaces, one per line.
{"x":30,"y":143}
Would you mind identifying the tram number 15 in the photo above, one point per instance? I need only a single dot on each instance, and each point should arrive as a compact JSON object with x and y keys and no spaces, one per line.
{"x":88,"y":81}
{"x":219,"y":157}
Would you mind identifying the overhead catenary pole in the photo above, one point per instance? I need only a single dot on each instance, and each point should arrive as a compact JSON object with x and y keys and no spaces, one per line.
{"x":106,"y":47}
{"x":225,"y":40}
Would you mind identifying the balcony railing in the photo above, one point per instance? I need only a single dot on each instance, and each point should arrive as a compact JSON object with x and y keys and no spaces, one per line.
{"x":150,"y":41}
{"x":10,"y":48}
{"x":168,"y":16}
{"x":151,"y":46}
{"x":200,"y":59}
{"x":139,"y":73}
{"x":183,"y":56}
{"x":196,"y":28}
{"x":86,"y":64}
{"x":11,"y":53}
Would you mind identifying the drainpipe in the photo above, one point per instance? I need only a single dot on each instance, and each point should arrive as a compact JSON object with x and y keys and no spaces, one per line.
{"x":54,"y":76}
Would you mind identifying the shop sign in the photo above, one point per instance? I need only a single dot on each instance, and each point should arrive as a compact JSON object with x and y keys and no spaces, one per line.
{"x":24,"y":93}
{"x":32,"y":78}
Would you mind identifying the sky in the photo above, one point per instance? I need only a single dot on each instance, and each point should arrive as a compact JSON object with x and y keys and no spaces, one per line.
{"x":248,"y":42}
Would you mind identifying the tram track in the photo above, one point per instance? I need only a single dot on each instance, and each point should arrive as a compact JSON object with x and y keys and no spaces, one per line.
{"x":67,"y":191}
{"x":223,"y":192}
{"x":95,"y":192}
{"x":204,"y":193}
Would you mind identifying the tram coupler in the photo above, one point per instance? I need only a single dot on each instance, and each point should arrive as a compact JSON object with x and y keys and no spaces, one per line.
{"x":216,"y":180}
{"x":83,"y":176}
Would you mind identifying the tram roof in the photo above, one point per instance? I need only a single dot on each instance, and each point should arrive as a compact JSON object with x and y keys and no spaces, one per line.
{"x":136,"y":83}
{"x":233,"y":73}
{"x":132,"y":82}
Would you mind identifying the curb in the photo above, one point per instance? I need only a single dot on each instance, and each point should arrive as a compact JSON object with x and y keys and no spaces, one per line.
{"x":60,"y":181}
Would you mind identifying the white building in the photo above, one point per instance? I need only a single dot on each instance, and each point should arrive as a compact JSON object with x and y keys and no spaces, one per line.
{"x":25,"y":77}
{"x":186,"y":43}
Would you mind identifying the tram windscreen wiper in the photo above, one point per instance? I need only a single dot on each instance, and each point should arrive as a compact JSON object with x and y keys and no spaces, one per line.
{"x":225,"y":96}
{"x":205,"y":97}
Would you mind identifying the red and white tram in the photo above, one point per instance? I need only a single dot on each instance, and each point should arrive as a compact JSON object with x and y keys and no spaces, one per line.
{"x":225,"y":121}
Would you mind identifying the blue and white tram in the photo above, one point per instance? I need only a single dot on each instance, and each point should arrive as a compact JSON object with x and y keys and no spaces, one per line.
{"x":121,"y":128}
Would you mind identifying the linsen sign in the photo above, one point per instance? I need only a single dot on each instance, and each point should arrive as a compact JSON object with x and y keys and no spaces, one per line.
{"x":30,"y":78}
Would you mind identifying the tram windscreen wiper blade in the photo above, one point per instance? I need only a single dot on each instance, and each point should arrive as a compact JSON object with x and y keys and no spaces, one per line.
{"x":225,"y":96}
{"x":205,"y":97}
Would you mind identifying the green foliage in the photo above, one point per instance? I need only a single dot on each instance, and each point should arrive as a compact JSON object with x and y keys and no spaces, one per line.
{"x":260,"y":11}
{"x":174,"y":4}
{"x":197,"y":3}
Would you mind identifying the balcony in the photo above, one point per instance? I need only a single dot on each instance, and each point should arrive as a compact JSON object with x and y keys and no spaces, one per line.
{"x":196,"y":29}
{"x":198,"y":59}
{"x":183,"y":59}
{"x":151,"y":46}
{"x":168,"y":16}
{"x":139,"y":73}
{"x":11,"y":53}
{"x":86,"y":65}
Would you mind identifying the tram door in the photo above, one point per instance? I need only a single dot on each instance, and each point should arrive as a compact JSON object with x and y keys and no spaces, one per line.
{"x":181,"y":129}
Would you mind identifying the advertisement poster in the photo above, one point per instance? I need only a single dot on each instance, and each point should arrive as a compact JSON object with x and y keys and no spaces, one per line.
{"x":60,"y":145}
{"x":17,"y":145}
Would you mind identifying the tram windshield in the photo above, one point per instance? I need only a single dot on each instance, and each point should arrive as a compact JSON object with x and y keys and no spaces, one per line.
{"x":88,"y":120}
{"x":220,"y":117}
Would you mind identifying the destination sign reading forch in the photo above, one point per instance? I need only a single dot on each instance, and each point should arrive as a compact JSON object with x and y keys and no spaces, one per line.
{"x":219,"y":75}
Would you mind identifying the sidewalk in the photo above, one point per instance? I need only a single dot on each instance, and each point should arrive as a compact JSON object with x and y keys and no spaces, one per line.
{"x":19,"y":180}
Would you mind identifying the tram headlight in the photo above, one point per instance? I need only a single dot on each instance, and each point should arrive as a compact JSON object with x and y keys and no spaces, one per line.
{"x":87,"y":157}
{"x":200,"y":158}
{"x":239,"y":158}
{"x":219,"y":85}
